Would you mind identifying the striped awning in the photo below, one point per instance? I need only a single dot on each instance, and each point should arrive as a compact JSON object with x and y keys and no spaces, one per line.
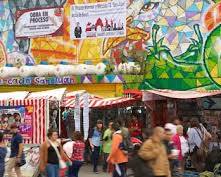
{"x":6,"y":97}
{"x":70,"y":99}
{"x":150,"y":94}
{"x":94,"y":101}
{"x":56,"y":94}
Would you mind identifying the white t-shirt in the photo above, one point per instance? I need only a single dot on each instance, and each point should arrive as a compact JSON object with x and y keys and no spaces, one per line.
{"x":171,"y":127}
{"x":68,"y":148}
{"x":184,"y":145}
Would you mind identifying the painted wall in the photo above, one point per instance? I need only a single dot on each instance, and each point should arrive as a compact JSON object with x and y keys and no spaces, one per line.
{"x":177,"y":43}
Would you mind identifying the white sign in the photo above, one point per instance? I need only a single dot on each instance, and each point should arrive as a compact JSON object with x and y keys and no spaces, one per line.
{"x":98,"y":20}
{"x":86,"y":115}
{"x":35,"y":23}
{"x":77,"y":113}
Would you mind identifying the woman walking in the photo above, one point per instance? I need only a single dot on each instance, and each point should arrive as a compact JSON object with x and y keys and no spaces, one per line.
{"x":198,"y":138}
{"x":78,"y":154}
{"x":95,"y":139}
{"x":51,"y":153}
{"x":3,"y":152}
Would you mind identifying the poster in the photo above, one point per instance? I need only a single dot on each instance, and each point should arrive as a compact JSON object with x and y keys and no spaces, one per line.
{"x":77,"y":113}
{"x":98,"y":20}
{"x":41,"y":22}
{"x":21,"y":115}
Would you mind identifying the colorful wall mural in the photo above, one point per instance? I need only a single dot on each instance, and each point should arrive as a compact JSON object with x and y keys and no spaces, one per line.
{"x":170,"y":44}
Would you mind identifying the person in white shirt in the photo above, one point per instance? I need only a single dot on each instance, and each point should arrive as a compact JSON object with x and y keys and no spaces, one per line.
{"x":197,"y":136}
{"x":68,"y":148}
{"x":181,"y":145}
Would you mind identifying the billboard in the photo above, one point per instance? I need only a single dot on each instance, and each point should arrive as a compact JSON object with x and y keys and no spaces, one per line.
{"x":39,"y":22}
{"x":107,"y":19}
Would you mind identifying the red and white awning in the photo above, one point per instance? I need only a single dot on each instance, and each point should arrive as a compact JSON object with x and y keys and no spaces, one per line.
{"x":109,"y":102}
{"x":6,"y":97}
{"x":150,"y":94}
{"x":94,"y":101}
{"x":56,"y":94}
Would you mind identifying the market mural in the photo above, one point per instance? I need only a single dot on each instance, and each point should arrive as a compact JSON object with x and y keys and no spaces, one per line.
{"x":170,"y":44}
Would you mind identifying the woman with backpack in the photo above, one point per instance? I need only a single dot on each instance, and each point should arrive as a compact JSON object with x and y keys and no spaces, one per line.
{"x":198,"y":138}
{"x":117,"y":156}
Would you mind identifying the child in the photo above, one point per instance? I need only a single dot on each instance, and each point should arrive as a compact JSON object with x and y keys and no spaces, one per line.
{"x":3,"y":152}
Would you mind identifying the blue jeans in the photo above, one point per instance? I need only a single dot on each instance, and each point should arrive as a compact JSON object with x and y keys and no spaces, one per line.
{"x":2,"y":169}
{"x":74,"y":169}
{"x":52,"y":170}
{"x":95,"y":157}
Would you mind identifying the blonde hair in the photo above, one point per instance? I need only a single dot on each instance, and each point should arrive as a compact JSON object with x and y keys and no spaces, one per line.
{"x":178,"y":127}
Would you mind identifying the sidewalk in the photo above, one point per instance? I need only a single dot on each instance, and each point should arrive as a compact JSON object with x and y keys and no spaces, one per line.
{"x":86,"y":171}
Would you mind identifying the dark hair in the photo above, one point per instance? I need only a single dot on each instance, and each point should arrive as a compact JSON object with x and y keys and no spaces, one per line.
{"x":77,"y":136}
{"x":116,"y":126}
{"x":120,"y":122}
{"x":13,"y":126}
{"x":195,"y":122}
{"x":51,"y":131}
{"x":99,"y":122}
{"x":1,"y":136}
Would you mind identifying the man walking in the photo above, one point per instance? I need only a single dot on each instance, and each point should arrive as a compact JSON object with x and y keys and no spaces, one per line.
{"x":154,"y":153}
{"x":16,"y":152}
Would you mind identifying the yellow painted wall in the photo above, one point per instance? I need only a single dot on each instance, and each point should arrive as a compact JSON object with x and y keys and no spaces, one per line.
{"x":105,"y":90}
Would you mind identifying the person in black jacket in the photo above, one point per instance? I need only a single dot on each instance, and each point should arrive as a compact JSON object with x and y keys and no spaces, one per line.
{"x":78,"y":31}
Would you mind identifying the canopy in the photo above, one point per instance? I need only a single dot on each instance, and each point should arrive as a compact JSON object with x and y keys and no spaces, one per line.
{"x":14,"y":95}
{"x":56,"y":94}
{"x":94,"y":101}
{"x":5,"y":97}
{"x":149,"y":94}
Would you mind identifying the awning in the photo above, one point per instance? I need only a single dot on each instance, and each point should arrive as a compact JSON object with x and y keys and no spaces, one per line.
{"x":134,"y":93}
{"x":6,"y":97}
{"x":111,"y":102}
{"x":56,"y":94}
{"x":14,"y":95}
{"x":94,"y":101}
{"x":150,"y":94}
{"x":70,"y":98}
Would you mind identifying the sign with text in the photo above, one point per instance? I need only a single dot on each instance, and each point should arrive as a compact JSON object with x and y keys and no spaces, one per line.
{"x":41,"y":22}
{"x":98,"y":20}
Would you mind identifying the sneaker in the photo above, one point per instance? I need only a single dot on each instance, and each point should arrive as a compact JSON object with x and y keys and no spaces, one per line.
{"x":96,"y":172}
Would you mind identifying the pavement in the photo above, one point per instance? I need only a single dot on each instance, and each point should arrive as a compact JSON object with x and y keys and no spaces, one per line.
{"x":86,"y":171}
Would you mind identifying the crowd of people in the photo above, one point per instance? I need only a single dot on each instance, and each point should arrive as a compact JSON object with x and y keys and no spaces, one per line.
{"x":160,"y":152}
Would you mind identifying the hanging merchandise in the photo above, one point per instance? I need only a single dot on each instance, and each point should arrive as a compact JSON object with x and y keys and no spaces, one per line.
{"x":86,"y":115}
{"x":77,"y":113}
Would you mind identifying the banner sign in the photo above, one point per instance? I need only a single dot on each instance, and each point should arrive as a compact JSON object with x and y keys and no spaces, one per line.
{"x":77,"y":113}
{"x":67,"y":80}
{"x":41,"y":22}
{"x":104,"y":19}
{"x":86,"y":115}
{"x":20,"y":115}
